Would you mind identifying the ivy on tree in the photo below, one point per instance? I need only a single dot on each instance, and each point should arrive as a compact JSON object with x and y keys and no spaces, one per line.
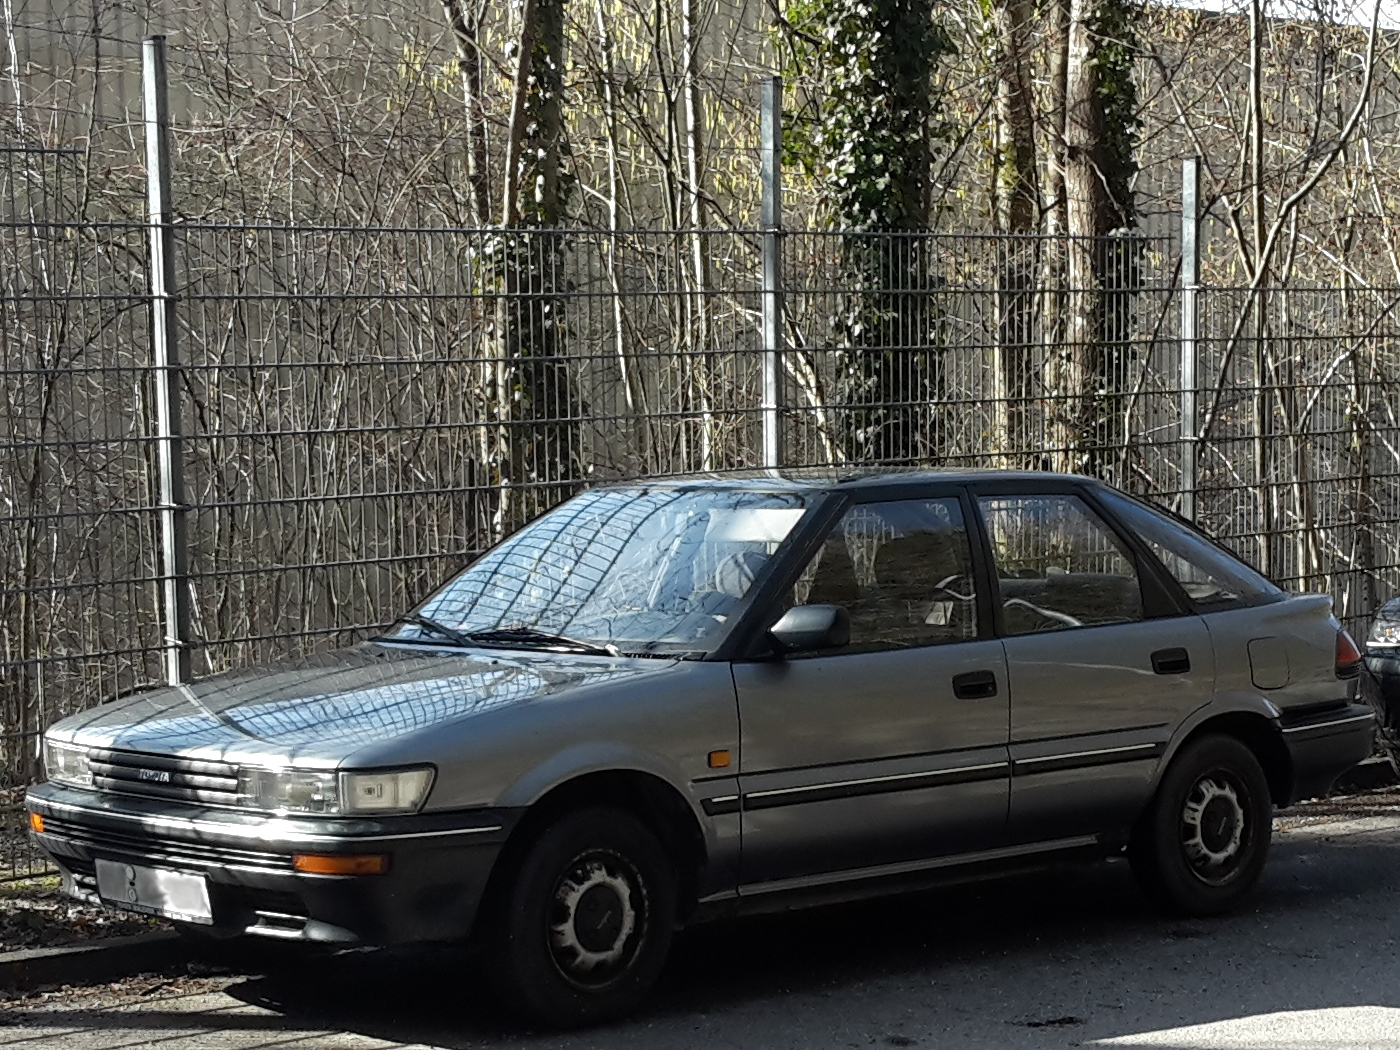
{"x":868,"y":140}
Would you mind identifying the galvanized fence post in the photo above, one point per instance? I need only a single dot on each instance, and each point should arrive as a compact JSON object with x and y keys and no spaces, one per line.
{"x":771,"y":145}
{"x":174,"y":569}
{"x":1190,"y":321}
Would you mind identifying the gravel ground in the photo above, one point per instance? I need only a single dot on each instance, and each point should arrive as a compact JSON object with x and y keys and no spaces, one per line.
{"x":33,"y":913}
{"x":1071,"y":958}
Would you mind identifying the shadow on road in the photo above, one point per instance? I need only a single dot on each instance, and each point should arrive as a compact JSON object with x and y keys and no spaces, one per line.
{"x":1091,"y":913}
{"x":1063,"y":957}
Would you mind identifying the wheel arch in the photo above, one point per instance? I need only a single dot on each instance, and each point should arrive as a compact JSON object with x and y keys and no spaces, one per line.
{"x":648,"y":797}
{"x":1258,"y":730}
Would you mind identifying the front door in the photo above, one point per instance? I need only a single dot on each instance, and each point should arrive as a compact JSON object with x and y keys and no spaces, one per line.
{"x":1098,"y":679}
{"x":891,"y":750}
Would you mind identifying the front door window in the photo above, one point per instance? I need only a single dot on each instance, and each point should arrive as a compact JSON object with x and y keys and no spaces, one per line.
{"x":902,"y":569}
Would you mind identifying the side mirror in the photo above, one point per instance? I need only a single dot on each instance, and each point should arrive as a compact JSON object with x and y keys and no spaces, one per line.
{"x":806,"y":627}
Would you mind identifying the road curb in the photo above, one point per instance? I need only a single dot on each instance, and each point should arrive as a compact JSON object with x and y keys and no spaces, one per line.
{"x":93,"y":963}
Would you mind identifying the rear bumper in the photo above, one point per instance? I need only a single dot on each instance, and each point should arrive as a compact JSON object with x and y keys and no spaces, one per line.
{"x":437,"y":868}
{"x":1325,"y":744}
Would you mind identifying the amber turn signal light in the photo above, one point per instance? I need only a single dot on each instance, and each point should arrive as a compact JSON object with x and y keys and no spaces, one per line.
{"x":719,"y":759}
{"x":36,"y":823}
{"x":340,"y":863}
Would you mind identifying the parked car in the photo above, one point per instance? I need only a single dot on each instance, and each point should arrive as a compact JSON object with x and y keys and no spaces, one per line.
{"x":665,"y":702}
{"x":1383,"y":667}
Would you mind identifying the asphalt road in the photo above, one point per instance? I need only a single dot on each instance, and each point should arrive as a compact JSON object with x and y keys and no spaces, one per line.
{"x":1066,"y":959}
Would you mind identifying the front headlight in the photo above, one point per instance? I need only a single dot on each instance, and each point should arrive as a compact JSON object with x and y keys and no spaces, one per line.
{"x":290,"y":790}
{"x":1385,"y":633}
{"x":67,"y":764}
{"x":316,"y":791}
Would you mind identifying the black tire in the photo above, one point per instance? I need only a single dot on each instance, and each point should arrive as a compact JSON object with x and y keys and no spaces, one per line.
{"x":585,"y":925}
{"x":1202,"y":844}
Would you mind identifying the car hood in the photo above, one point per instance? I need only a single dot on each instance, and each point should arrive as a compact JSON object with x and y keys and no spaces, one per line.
{"x":317,"y":710}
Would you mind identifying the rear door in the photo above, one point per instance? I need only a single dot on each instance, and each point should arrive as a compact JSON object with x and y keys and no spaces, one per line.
{"x":891,"y":750}
{"x":1102,"y":663}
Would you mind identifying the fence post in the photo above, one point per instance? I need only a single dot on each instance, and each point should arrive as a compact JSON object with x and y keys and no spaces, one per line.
{"x":1190,"y":321}
{"x":770,"y":148}
{"x":174,"y":572}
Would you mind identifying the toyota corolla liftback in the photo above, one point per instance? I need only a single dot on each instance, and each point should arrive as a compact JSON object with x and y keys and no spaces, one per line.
{"x":664,"y":702}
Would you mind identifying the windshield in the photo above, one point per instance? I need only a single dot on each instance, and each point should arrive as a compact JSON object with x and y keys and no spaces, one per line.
{"x":645,"y":570}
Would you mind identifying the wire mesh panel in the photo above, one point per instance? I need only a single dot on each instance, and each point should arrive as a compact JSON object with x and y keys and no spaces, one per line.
{"x":980,"y":350}
{"x":1299,"y":462}
{"x":366,"y":409}
{"x":370,"y":409}
{"x":77,"y":614}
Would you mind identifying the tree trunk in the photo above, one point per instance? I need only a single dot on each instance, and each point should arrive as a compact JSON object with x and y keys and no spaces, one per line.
{"x":1018,"y":195}
{"x":1018,"y":199}
{"x":1057,"y":44}
{"x":699,"y":328}
{"x":633,"y":391}
{"x":1051,"y":295}
{"x":465,"y":21}
{"x":519,"y":103}
{"x":546,"y":113}
{"x":1087,"y":219}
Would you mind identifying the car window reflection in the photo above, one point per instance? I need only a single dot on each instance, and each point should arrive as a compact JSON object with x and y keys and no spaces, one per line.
{"x":1058,"y":565}
{"x":642,"y":569}
{"x":902,"y":570}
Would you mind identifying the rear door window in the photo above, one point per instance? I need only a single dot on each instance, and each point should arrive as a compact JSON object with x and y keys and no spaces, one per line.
{"x":1211,"y":577}
{"x":1058,"y":565}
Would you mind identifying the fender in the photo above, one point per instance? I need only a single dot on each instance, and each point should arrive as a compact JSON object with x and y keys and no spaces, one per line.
{"x":593,"y":757}
{"x":1230,"y":702}
{"x":720,"y":831}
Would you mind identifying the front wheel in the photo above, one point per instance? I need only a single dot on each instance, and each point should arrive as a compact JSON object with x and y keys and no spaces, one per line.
{"x":1202,"y":843}
{"x":587,"y":923}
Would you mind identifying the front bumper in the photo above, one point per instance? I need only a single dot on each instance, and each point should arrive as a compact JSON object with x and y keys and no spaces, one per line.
{"x":437,"y":870}
{"x":1324,"y":744}
{"x":1383,"y":674}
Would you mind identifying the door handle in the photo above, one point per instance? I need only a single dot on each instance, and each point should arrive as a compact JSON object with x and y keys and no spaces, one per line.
{"x":1171,"y":661}
{"x":975,"y":685}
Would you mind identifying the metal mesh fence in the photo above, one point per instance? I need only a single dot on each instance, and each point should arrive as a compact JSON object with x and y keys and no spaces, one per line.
{"x":367,"y":409}
{"x":372,"y":408}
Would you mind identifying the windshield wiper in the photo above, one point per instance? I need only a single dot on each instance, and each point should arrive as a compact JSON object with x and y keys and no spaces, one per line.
{"x":440,"y":629}
{"x":528,"y":636}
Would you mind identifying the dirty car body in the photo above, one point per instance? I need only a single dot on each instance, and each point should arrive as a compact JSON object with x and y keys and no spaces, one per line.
{"x":667,"y":701}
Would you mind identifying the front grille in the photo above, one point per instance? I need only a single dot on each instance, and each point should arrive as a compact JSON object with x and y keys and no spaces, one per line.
{"x":164,"y":776}
{"x":143,"y":847}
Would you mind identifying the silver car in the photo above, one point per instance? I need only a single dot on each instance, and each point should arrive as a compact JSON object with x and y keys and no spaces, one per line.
{"x":665,"y":702}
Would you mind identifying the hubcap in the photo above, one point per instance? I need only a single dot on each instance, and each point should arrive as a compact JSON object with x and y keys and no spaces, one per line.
{"x":1213,"y":827}
{"x":596,"y":918}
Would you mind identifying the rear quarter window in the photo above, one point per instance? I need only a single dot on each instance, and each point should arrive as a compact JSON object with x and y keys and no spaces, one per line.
{"x":1211,"y":576}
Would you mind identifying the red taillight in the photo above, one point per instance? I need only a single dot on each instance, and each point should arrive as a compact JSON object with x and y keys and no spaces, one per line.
{"x":1348,"y":656}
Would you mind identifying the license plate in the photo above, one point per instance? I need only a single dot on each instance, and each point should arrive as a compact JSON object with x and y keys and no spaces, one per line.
{"x":155,"y":891}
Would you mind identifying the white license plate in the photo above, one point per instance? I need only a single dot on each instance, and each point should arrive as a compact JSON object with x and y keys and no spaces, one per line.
{"x":155,"y":891}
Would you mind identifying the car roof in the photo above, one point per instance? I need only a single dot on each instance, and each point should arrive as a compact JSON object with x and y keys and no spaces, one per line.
{"x":826,"y":479}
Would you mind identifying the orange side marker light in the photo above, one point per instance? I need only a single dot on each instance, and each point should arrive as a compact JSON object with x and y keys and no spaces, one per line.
{"x":36,"y":823}
{"x":719,"y":759}
{"x":340,"y":863}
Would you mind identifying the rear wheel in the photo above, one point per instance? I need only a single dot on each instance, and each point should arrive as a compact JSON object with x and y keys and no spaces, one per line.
{"x":1203,"y":842}
{"x":587,"y":923}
